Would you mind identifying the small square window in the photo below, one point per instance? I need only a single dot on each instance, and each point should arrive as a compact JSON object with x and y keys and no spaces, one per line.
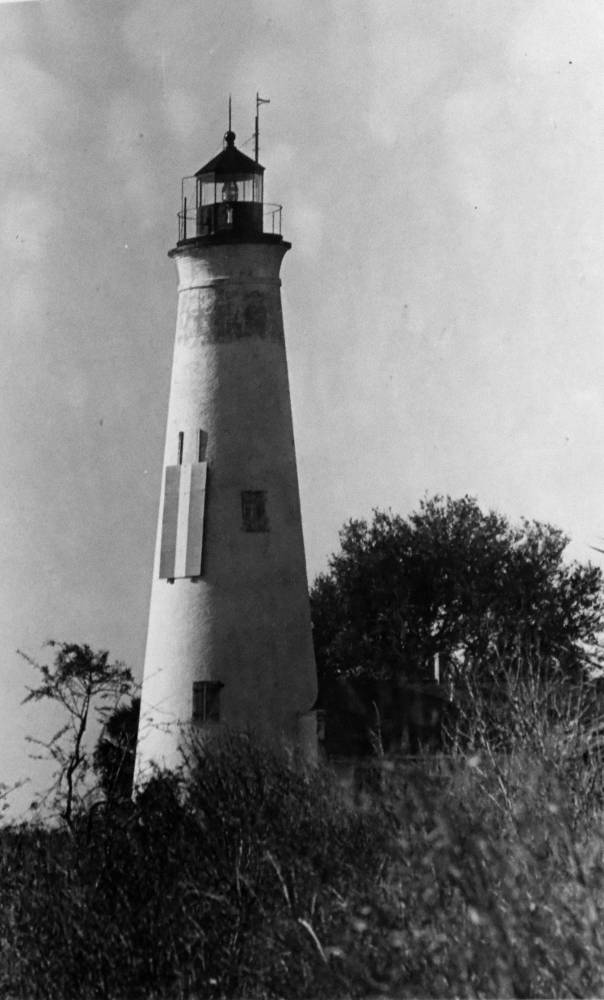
{"x":206,"y":701}
{"x":253,"y":510}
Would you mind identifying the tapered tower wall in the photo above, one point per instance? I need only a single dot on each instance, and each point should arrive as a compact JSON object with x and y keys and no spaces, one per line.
{"x":243,"y":622}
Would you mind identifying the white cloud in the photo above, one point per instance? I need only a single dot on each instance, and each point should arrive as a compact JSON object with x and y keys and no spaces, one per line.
{"x":403,"y":62}
{"x":476,"y":131}
{"x":182,"y":113}
{"x":182,"y":36}
{"x":27,"y":222}
{"x":26,"y":314}
{"x":281,"y":170}
{"x":128,"y":127}
{"x":550,"y":35}
{"x":33,"y":107}
{"x":304,"y":226}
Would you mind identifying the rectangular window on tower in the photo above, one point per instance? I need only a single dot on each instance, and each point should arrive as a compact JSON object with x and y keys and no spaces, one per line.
{"x":206,"y":701}
{"x":253,"y":510}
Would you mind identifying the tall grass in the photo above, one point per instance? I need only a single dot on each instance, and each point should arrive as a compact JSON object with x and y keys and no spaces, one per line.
{"x":482,"y":877}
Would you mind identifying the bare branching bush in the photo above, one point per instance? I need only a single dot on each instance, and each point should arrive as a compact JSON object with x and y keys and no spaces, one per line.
{"x":86,"y":686}
{"x":528,"y":722}
{"x":475,"y":874}
{"x":511,"y":835}
{"x":226,"y":884}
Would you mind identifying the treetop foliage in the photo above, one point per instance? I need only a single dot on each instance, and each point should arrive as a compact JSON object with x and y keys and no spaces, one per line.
{"x":451,"y":579}
{"x":82,"y":682}
{"x":114,"y":754}
{"x":76,"y":674}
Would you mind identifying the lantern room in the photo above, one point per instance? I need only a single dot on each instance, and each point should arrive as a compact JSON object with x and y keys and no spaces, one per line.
{"x":225,"y":199}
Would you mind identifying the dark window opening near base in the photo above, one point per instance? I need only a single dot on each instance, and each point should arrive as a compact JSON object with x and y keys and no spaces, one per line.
{"x":206,"y":701}
{"x":253,"y":510}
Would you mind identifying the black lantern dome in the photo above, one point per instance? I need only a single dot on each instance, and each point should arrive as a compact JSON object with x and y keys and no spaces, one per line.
{"x":224,"y":200}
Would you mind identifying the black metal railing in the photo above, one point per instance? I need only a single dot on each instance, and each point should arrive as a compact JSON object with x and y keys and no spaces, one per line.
{"x":245,"y":218}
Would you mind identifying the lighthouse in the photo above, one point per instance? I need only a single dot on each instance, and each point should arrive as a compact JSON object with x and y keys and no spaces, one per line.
{"x":229,"y":643}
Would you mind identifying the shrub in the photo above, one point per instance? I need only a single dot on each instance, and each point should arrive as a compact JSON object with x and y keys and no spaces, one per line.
{"x":474,"y":876}
{"x":221,"y":885}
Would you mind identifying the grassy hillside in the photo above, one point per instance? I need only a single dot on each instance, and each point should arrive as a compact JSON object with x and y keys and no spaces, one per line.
{"x":481,"y":878}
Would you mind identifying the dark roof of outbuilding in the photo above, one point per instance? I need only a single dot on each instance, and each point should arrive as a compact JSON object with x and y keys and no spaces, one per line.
{"x":230,"y":161}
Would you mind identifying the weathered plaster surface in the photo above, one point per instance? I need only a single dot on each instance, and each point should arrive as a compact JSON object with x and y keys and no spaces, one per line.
{"x":246,"y":621}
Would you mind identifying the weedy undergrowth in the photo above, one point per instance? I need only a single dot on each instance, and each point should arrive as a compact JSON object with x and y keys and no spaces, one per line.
{"x":480,"y":874}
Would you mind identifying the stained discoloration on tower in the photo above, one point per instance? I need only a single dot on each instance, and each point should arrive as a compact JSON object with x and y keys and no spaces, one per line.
{"x":229,"y":642}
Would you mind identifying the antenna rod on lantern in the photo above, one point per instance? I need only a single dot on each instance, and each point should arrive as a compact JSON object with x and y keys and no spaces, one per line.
{"x":259,"y":101}
{"x":229,"y":112}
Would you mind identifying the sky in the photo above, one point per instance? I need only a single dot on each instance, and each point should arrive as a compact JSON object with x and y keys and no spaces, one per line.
{"x":440,"y":164}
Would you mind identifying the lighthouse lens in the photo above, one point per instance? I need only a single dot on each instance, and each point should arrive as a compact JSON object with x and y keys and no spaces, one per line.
{"x":230,"y":191}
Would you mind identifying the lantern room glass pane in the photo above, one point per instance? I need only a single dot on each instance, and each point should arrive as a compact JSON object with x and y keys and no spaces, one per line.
{"x":207,"y":192}
{"x":211,"y":188}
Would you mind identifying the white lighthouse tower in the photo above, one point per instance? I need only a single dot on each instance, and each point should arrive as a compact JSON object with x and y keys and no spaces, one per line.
{"x":229,"y":642}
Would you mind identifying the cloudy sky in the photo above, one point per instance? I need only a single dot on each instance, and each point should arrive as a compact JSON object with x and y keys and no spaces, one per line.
{"x":441,"y":166}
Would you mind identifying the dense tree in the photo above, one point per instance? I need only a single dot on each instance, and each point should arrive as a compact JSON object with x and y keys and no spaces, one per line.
{"x":83,"y":683}
{"x":115,"y":751}
{"x":453,"y":580}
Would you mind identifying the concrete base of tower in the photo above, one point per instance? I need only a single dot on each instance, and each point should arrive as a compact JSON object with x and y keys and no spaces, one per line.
{"x":174,"y":746}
